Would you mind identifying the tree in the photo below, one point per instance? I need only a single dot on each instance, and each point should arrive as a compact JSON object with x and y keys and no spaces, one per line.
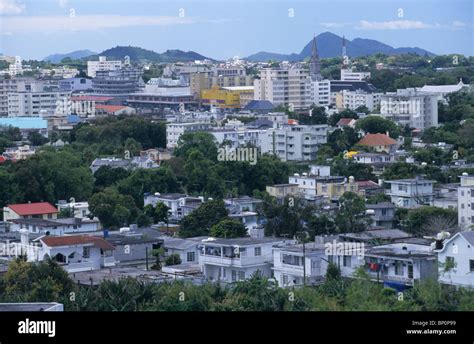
{"x":173,"y":259}
{"x":200,"y":220}
{"x":228,"y":229}
{"x":428,"y":220}
{"x":332,"y":120}
{"x":113,"y":208}
{"x":351,"y":216}
{"x":161,"y":213}
{"x":203,"y":142}
{"x":377,"y":124}
{"x":36,"y":139}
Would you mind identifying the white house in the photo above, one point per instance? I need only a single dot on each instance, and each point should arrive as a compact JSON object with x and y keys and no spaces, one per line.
{"x":187,"y":249}
{"x":411,"y":193}
{"x":400,"y":265}
{"x":78,"y":209}
{"x":456,"y":260}
{"x":290,"y":262}
{"x":179,"y":205}
{"x":55,"y":226}
{"x":77,"y":253}
{"x":231,"y":260}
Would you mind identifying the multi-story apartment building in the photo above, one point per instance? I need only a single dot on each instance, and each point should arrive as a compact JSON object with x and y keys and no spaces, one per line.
{"x":284,"y":86}
{"x":102,"y":65}
{"x":294,"y":142}
{"x":118,"y":82}
{"x":408,"y":107}
{"x":353,"y":99}
{"x":234,"y":138}
{"x":321,"y":92}
{"x":33,"y":104}
{"x":175,"y":130}
{"x":411,"y":193}
{"x":466,"y":202}
{"x":75,"y":84}
{"x":14,"y":85}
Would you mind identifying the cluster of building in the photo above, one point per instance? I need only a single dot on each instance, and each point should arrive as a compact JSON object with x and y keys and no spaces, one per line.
{"x":387,"y":255}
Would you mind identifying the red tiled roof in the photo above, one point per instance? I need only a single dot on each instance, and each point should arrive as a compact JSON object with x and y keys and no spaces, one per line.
{"x":33,"y":208}
{"x":376,"y":140}
{"x":68,"y":240}
{"x":345,"y":121}
{"x":292,"y":122}
{"x":110,"y":108}
{"x":2,"y":159}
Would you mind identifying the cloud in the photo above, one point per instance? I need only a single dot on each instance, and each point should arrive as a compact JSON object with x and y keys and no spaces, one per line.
{"x":11,"y":7}
{"x":335,"y":25}
{"x":76,"y":23}
{"x":395,"y":25}
{"x":459,"y":24}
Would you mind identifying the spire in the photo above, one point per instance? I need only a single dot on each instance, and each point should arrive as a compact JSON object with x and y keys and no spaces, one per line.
{"x":315,"y":66}
{"x":344,"y":52}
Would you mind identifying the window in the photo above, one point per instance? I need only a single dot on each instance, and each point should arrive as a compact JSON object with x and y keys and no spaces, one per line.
{"x":471,"y":265}
{"x":398,"y":269}
{"x":410,"y":270}
{"x":449,"y":262}
{"x":241,"y":275}
{"x":86,"y":252}
{"x":234,"y":275}
{"x":347,"y":261}
{"x":190,"y":256}
{"x":258,"y":251}
{"x":285,"y":279}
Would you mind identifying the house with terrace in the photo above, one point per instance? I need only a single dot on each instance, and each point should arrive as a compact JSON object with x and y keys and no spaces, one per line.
{"x":232,"y":260}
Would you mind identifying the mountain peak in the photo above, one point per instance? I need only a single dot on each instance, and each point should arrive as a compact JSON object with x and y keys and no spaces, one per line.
{"x":330,"y":45}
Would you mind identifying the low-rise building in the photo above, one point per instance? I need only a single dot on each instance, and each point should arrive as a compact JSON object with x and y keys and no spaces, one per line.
{"x":179,"y":205}
{"x":382,"y":214}
{"x":41,"y":210}
{"x":411,"y":193}
{"x":379,"y":143}
{"x":232,"y":260}
{"x":401,"y":265}
{"x":456,"y":260}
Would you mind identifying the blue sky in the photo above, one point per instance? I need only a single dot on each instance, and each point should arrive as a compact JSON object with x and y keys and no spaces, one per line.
{"x":223,"y":29}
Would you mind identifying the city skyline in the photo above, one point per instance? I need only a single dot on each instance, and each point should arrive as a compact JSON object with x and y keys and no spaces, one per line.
{"x":207,"y":28}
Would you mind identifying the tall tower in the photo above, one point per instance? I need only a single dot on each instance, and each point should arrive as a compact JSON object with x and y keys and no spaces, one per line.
{"x":345,"y":58}
{"x":315,"y":65}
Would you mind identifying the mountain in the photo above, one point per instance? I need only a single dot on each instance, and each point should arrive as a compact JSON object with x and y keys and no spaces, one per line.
{"x":330,"y":45}
{"x":75,"y":55}
{"x":140,"y":54}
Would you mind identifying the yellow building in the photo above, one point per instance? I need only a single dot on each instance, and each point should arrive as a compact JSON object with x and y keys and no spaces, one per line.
{"x":334,"y":190}
{"x":226,"y":98}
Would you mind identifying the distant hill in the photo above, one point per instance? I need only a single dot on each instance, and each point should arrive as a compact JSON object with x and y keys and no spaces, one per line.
{"x":75,"y":55}
{"x":330,"y":45}
{"x":140,"y":54}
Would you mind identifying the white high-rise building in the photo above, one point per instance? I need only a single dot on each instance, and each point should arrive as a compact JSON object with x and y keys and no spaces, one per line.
{"x":102,"y":65}
{"x":34,"y":104}
{"x":466,"y":202}
{"x":353,"y":99}
{"x":408,"y":107}
{"x":321,"y":92}
{"x":284,"y":86}
{"x":294,"y":142}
